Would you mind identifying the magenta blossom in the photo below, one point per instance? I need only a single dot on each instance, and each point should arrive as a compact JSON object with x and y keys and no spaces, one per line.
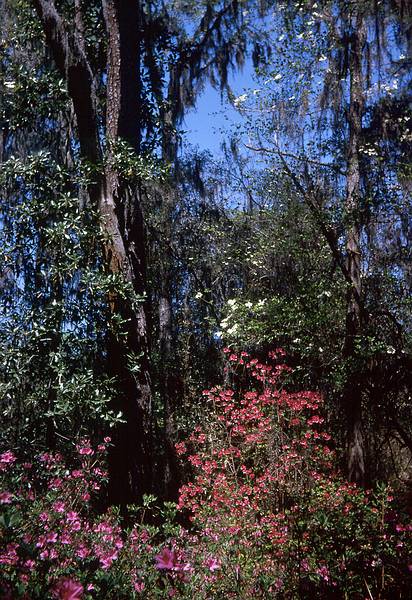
{"x":72,"y":516}
{"x":139,"y":586}
{"x":59,"y":506}
{"x":212,"y":564}
{"x":68,"y":589}
{"x":86,"y":451}
{"x":6,"y":459}
{"x":167,"y":559}
{"x":6,"y":497}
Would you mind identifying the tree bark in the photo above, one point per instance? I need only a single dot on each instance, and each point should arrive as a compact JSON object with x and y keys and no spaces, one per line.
{"x":352,"y":394}
{"x":166,"y":379}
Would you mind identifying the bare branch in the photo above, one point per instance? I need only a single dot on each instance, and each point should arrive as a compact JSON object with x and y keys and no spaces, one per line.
{"x":310,"y":161}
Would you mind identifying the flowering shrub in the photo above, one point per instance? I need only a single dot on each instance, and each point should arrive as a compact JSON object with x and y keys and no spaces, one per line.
{"x":270,"y":515}
{"x":270,"y":506}
{"x":54,"y":545}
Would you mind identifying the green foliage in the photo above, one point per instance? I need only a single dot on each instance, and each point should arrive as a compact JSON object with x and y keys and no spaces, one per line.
{"x":134,"y":167}
{"x":54,"y":315}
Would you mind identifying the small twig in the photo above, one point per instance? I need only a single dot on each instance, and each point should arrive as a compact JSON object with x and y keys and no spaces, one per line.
{"x":63,"y":436}
{"x":367,"y":587}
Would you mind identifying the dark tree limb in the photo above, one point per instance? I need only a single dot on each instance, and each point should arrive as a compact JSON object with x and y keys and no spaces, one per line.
{"x":69,"y":55}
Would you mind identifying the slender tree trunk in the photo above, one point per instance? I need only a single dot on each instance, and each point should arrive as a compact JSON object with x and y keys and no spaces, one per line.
{"x":352,"y":395}
{"x":167,"y":377}
{"x":166,"y":374}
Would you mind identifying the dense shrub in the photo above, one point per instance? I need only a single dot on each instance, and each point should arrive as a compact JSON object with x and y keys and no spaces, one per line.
{"x":271,"y":517}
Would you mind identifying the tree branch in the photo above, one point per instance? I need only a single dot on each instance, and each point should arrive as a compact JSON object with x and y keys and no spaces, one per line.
{"x":327,"y":231}
{"x":296,"y":157}
{"x":71,"y":61}
{"x":190,"y":54}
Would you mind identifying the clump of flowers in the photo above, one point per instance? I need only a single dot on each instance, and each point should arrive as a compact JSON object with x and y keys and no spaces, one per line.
{"x":56,"y":545}
{"x":47,"y":525}
{"x":68,"y":589}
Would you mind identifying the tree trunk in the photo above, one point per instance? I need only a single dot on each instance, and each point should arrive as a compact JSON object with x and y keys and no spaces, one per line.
{"x":352,"y":394}
{"x":130,"y":460}
{"x":167,"y":378}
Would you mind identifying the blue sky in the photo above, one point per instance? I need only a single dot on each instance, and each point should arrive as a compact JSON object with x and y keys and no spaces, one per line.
{"x":205,"y":125}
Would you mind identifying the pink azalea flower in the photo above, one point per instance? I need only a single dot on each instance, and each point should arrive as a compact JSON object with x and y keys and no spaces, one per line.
{"x":29,"y":564}
{"x":10,"y":557}
{"x":106,"y":561}
{"x":82,"y":552}
{"x":86,"y":451}
{"x":59,"y":506}
{"x":41,"y":541}
{"x":304,"y":565}
{"x":180,"y":448}
{"x":72,"y":516}
{"x":53,"y":554}
{"x":6,"y":459}
{"x":6,"y":497}
{"x":65,"y":538}
{"x":323,"y":572}
{"x":55,"y":484}
{"x":68,"y":589}
{"x":44,"y":517}
{"x":167,"y":559}
{"x":213,"y":564}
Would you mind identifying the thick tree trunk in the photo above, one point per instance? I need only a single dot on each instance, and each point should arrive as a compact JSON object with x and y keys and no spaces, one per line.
{"x":130,"y":459}
{"x":121,"y":212}
{"x":130,"y":462}
{"x":352,"y":395}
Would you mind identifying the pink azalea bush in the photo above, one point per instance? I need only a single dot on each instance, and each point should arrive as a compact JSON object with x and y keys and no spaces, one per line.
{"x":271,"y":515}
{"x":271,"y":506}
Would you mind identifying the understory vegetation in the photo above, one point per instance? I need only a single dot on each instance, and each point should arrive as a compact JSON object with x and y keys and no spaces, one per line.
{"x":267,"y":512}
